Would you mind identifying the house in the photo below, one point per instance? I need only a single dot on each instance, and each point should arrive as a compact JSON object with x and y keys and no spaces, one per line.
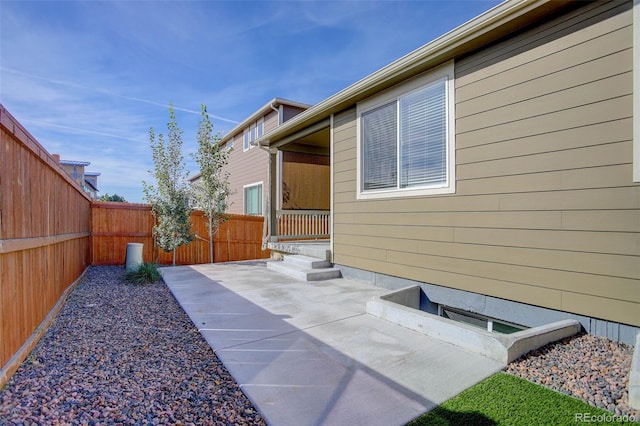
{"x":497,"y":167}
{"x":76,"y":169}
{"x":91,"y":182}
{"x":248,"y":169}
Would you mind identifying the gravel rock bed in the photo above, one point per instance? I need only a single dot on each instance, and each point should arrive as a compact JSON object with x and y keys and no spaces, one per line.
{"x":119,"y":353}
{"x":594,"y":369}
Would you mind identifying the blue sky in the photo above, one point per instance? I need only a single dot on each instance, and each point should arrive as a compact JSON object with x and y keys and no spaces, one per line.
{"x":89,"y":78}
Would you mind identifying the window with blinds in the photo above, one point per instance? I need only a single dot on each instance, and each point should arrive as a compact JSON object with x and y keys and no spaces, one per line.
{"x":406,"y":139}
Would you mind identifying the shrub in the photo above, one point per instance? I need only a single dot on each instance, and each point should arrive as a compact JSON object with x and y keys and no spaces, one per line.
{"x":146,"y":273}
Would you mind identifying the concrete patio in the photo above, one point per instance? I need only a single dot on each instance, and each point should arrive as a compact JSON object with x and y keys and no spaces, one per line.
{"x":307,"y":353}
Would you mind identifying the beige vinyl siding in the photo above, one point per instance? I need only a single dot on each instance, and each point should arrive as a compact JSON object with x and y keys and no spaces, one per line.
{"x":251,"y":166}
{"x":271,"y":121}
{"x":289,"y":111}
{"x":245,"y":167}
{"x":545,"y":211}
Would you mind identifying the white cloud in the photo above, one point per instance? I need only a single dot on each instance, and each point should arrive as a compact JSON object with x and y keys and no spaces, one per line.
{"x":88,"y":79}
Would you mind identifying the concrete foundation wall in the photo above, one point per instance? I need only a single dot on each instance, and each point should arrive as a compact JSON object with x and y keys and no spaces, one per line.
{"x":506,"y":310}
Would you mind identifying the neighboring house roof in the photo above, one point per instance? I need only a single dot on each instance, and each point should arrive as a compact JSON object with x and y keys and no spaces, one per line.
{"x":75,"y":163}
{"x":265,"y":109}
{"x":485,"y":28}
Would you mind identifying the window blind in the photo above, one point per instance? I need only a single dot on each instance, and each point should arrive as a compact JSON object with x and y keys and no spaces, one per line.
{"x":423,"y":136}
{"x":379,"y":148}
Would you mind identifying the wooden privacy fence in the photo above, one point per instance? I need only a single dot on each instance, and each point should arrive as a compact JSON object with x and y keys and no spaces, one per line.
{"x":44,"y":239}
{"x":50,"y":232}
{"x":116,"y":224}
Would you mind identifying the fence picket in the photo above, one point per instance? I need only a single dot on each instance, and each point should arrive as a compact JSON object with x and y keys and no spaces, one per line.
{"x":116,"y":224}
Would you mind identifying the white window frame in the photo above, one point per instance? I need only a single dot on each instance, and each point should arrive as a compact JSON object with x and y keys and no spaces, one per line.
{"x":230,"y":143}
{"x":392,"y":95}
{"x":244,"y":198}
{"x":260,"y":128}
{"x":252,"y":135}
{"x":246,"y":142}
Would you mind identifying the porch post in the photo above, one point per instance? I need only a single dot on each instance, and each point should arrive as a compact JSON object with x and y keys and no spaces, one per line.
{"x":273,"y":194}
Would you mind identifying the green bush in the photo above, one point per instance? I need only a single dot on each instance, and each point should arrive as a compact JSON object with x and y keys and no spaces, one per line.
{"x":146,"y":273}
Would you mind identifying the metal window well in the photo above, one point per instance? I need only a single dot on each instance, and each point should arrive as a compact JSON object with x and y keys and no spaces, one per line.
{"x":134,"y":256}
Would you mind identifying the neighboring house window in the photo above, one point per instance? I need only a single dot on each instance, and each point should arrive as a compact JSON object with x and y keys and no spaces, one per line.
{"x":246,"y":140}
{"x":252,"y":134}
{"x":406,"y":138}
{"x":253,"y":199}
{"x":230,"y":143}
{"x":260,"y":128}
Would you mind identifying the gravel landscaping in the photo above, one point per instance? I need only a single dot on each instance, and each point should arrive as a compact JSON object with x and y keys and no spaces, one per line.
{"x":591,"y":368}
{"x":120,"y":353}
{"x":125,"y":354}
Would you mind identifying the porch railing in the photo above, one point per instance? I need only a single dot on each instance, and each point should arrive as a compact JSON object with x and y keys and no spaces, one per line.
{"x":302,"y":224}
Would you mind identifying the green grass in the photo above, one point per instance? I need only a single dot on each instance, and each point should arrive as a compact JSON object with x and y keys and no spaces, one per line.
{"x":146,"y":273}
{"x":503,"y":399}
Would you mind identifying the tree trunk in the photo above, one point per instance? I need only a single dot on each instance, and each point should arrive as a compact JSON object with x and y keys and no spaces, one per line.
{"x":174,"y":257}
{"x":210,"y":248}
{"x":210,"y":240}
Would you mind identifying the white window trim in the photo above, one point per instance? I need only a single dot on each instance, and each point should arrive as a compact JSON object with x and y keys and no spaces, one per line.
{"x":244,"y":199}
{"x":246,"y":140}
{"x":445,"y":70}
{"x":636,"y":90}
{"x":260,"y":124}
{"x":252,"y":134}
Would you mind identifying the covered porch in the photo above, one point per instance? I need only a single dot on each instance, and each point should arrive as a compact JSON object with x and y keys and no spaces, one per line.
{"x":299,"y":201}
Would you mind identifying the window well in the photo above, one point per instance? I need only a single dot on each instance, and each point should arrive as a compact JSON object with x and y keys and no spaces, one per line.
{"x":490,"y":324}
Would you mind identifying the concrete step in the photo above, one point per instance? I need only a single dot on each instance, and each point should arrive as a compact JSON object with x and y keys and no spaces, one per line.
{"x":300,"y":269}
{"x":306,"y":261}
{"x":319,"y":249}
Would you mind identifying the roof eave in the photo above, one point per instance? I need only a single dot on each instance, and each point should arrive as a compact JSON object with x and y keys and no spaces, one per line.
{"x":266,"y":108}
{"x":490,"y":25}
{"x":74,"y":163}
{"x":91,"y":185}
